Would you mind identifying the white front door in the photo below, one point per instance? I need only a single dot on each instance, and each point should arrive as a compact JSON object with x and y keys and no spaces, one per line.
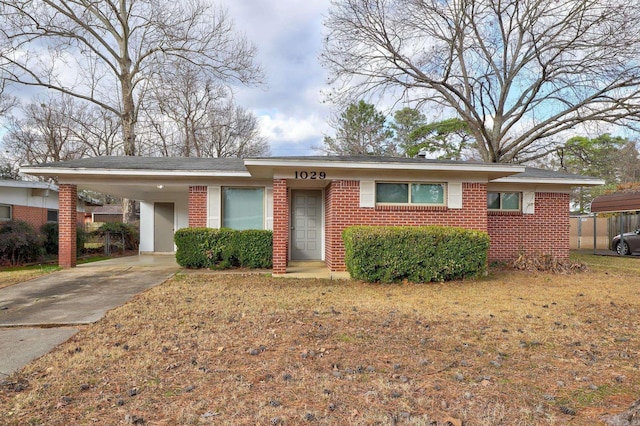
{"x":306,"y":225}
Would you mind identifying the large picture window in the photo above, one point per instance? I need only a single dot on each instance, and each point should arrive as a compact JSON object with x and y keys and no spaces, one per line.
{"x":503,"y":201}
{"x":5,"y":212}
{"x":243,"y":208}
{"x":410,"y":193}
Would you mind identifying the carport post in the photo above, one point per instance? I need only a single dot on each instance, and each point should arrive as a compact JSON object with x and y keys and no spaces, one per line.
{"x":67,"y":225}
{"x":621,"y":229}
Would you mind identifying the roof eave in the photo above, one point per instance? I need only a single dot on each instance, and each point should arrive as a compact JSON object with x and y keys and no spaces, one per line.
{"x":68,"y":172}
{"x":550,"y":181}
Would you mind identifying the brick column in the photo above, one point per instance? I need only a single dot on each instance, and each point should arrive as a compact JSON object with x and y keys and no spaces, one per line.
{"x":197,"y":206}
{"x":280,"y":226}
{"x":67,"y":225}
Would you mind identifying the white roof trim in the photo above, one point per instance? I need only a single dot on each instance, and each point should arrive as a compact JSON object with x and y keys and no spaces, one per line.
{"x":52,"y":171}
{"x":552,"y":181}
{"x":27,"y":184}
{"x":470,"y":167}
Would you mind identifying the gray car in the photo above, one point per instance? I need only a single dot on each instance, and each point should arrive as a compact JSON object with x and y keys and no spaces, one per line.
{"x":631,"y":243}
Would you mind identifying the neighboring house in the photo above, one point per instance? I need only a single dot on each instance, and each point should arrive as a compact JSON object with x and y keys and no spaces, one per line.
{"x":309,"y":201}
{"x":33,"y":202}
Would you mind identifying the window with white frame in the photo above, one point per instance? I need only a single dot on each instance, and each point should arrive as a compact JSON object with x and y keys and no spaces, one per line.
{"x":504,"y":201}
{"x":243,"y":208}
{"x":5,"y":212}
{"x":410,"y":193}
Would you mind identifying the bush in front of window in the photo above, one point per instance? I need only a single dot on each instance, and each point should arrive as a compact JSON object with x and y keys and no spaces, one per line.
{"x":223,"y":248}
{"x":388,"y":254}
{"x":19,"y":243}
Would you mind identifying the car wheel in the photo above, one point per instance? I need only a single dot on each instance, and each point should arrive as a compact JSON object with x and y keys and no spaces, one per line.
{"x":622,"y":248}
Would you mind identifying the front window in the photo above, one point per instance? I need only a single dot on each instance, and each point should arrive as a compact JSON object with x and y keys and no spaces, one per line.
{"x":52,"y":215}
{"x":243,"y":208}
{"x":506,"y":201}
{"x":410,"y":193}
{"x":5,"y":212}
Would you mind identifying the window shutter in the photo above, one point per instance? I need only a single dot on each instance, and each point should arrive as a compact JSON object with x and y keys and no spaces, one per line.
{"x":528,"y":202}
{"x":454,"y":191}
{"x":215,"y":205}
{"x":269,"y":209}
{"x":367,"y":194}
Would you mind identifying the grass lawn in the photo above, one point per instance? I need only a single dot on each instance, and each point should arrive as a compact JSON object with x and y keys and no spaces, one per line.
{"x":514,"y":348}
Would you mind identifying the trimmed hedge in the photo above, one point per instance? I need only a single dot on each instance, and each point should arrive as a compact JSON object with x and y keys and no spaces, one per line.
{"x":223,"y":248}
{"x":418,"y":254}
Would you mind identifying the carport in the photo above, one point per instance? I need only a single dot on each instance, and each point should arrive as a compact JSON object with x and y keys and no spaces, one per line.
{"x":621,"y":203}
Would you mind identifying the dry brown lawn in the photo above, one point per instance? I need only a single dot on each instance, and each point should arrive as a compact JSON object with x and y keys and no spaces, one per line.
{"x":11,"y":276}
{"x":514,"y":348}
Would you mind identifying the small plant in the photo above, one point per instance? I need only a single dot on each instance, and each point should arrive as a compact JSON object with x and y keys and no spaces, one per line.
{"x":19,"y":243}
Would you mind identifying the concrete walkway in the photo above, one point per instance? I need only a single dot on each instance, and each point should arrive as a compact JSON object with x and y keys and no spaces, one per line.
{"x":38,"y":315}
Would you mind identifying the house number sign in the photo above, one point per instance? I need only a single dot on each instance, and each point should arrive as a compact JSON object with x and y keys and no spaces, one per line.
{"x":303,"y":174}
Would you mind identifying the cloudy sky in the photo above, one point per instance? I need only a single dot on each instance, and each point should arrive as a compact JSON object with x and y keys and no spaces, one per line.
{"x":288,"y":35}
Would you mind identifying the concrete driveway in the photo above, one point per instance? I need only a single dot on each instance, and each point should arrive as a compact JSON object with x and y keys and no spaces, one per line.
{"x":38,"y":315}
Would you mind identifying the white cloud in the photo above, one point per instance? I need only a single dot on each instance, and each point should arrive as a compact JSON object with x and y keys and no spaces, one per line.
{"x":291,"y":135}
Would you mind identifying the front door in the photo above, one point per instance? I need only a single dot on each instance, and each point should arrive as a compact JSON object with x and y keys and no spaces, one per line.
{"x":163,"y":227}
{"x":306,"y":225}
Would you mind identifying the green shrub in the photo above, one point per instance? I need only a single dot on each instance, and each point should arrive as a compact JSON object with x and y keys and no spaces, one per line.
{"x":416,"y":254}
{"x":49,"y":233}
{"x":130,"y":233}
{"x":223,"y":248}
{"x":19,"y":243}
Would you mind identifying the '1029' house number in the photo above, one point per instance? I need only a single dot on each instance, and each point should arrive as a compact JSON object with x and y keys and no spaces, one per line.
{"x":303,"y":174}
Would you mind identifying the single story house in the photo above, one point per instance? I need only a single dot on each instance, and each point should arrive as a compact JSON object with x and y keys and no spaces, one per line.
{"x":308,"y":201}
{"x":33,"y":202}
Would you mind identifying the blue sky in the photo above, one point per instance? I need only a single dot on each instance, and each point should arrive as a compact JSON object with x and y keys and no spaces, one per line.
{"x":288,"y":36}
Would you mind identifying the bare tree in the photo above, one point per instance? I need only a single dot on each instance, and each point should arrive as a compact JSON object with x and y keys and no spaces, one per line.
{"x":183,"y":98}
{"x":232,"y":132}
{"x":518,"y":72}
{"x":108,"y":52}
{"x":45,"y":132}
{"x":192,"y":115}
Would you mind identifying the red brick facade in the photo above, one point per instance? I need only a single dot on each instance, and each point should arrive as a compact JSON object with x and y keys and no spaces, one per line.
{"x":35,"y":216}
{"x":280,"y":226}
{"x":67,"y":222}
{"x":545,"y":232}
{"x":342,"y":209}
{"x":197,"y":206}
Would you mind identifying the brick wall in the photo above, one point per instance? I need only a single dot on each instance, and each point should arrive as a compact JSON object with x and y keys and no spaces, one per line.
{"x":197,"y":206}
{"x":545,"y":232}
{"x":280,"y":226}
{"x":342,"y":209}
{"x":36,"y":216}
{"x":67,"y":222}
